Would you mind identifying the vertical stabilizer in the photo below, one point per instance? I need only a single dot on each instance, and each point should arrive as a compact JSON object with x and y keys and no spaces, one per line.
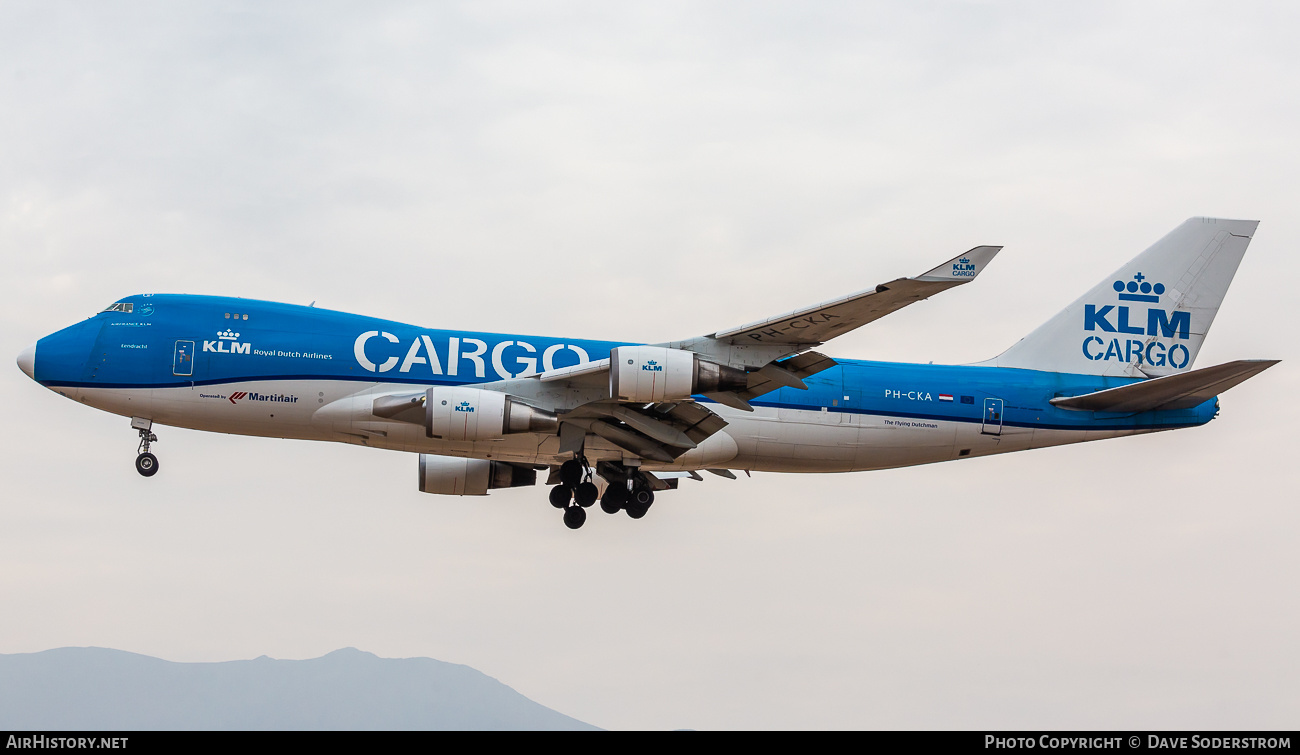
{"x":1150,"y":317}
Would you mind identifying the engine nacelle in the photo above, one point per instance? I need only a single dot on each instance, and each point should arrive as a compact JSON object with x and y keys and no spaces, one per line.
{"x":452,"y":413}
{"x":653,"y":373}
{"x":446,"y":475}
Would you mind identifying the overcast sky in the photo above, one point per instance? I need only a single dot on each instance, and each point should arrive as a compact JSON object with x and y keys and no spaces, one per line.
{"x":651,"y":172}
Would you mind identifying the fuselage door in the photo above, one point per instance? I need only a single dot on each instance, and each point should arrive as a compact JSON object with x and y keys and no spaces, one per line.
{"x":992,"y":416}
{"x":183,"y":358}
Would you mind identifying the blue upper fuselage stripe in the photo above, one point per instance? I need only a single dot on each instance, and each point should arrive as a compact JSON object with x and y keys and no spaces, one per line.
{"x":260,"y":378}
{"x":170,"y":341}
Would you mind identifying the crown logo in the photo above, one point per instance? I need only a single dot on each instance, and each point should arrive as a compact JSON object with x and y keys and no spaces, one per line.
{"x":1139,"y":289}
{"x":227,"y":335}
{"x":964,"y":260}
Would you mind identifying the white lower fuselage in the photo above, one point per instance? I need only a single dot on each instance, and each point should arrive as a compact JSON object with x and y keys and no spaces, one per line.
{"x":773,"y":439}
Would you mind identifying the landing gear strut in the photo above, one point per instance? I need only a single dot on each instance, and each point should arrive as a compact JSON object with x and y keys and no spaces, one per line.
{"x":145,"y":463}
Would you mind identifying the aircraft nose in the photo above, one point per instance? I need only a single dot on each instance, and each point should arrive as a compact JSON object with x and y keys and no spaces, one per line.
{"x":27,"y":361}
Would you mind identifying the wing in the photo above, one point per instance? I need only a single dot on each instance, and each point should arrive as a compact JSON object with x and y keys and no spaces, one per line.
{"x":773,"y":353}
{"x":820,"y":323}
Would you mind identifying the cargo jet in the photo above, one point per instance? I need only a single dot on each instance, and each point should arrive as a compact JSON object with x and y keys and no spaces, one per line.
{"x":621,"y":422}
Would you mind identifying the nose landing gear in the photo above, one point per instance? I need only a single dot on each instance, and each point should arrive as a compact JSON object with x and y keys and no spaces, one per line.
{"x":145,"y":463}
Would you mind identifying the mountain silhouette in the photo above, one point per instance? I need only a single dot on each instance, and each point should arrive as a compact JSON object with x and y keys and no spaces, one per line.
{"x":349,"y":689}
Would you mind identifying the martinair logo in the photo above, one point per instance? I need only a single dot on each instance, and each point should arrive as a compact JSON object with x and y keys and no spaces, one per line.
{"x":276,"y":398}
{"x":237,"y":396}
{"x":1121,"y":318}
{"x":463,"y":406}
{"x":963,"y":268}
{"x":652,"y":366}
{"x":227,"y":343}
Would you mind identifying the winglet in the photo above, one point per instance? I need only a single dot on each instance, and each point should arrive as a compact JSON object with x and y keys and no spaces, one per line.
{"x":963,"y":266}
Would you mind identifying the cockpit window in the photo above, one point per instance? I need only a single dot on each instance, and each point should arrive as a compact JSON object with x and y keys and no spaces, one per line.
{"x":121,"y":306}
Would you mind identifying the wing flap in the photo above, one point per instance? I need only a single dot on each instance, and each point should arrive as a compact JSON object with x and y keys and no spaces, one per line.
{"x":1182,"y":391}
{"x":795,"y":368}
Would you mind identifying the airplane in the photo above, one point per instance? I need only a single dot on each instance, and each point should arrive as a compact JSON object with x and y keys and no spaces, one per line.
{"x":620,"y":422}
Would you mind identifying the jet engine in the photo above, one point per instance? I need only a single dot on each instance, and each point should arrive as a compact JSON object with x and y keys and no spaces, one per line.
{"x":445,"y":475}
{"x":472,"y":414}
{"x":653,"y":373}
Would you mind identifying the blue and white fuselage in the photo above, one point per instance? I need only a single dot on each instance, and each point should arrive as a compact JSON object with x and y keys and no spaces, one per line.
{"x":281,"y":370}
{"x":1116,"y":362}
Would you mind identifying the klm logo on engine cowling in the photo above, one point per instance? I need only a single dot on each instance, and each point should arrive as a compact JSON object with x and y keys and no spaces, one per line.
{"x":1124,"y":319}
{"x":463,"y":406}
{"x":652,"y":366}
{"x":227,"y":343}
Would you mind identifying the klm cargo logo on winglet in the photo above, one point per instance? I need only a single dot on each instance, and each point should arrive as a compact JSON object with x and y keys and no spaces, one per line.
{"x":652,"y":366}
{"x":1160,"y":323}
{"x":963,"y":268}
{"x":227,"y":343}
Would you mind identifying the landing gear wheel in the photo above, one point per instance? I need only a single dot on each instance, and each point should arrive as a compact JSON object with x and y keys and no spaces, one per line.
{"x":146,"y":464}
{"x":561,"y":495}
{"x":639,"y":503}
{"x":574,"y":517}
{"x":572,"y":472}
{"x":613,"y":499}
{"x":585,"y":494}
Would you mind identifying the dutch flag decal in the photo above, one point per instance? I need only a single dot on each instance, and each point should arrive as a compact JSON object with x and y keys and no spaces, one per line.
{"x":945,"y":397}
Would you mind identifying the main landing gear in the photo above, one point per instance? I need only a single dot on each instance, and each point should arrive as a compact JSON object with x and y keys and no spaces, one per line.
{"x":575,"y":493}
{"x":145,"y":463}
{"x":631,"y":494}
{"x":628,"y":490}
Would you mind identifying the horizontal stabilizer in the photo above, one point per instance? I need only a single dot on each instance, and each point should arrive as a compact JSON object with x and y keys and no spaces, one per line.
{"x":1182,"y":391}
